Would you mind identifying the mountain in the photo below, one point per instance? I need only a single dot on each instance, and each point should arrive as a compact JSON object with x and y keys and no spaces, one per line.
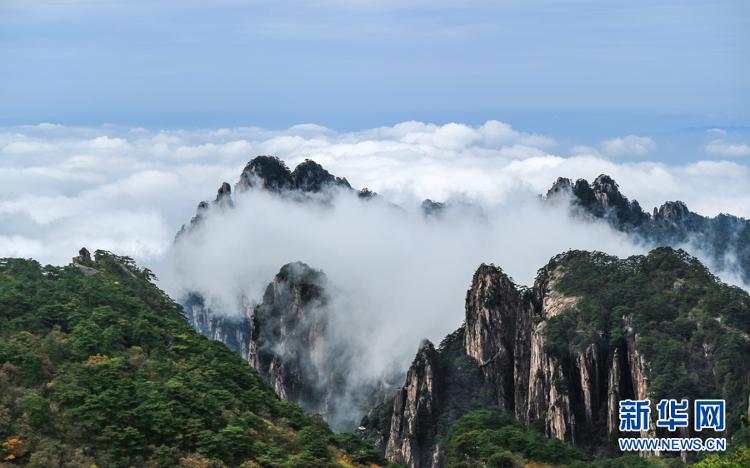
{"x":593,"y":330}
{"x":556,"y":357}
{"x":286,"y":337}
{"x":725,"y":239}
{"x":98,"y":367}
{"x":271,"y":173}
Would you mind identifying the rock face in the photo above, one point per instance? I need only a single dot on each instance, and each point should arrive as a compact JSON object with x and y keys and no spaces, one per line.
{"x":414,"y":411}
{"x":281,"y":336}
{"x":288,"y":328}
{"x":505,"y":334}
{"x":530,"y":357}
{"x":232,"y":330}
{"x":441,"y":385}
{"x":287,"y":337}
{"x":725,"y":238}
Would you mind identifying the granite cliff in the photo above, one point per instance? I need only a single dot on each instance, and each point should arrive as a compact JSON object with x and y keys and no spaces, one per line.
{"x":560,"y":355}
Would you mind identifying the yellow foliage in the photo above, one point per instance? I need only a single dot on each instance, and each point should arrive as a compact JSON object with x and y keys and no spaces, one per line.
{"x":12,"y":449}
{"x":96,"y":359}
{"x":194,"y":461}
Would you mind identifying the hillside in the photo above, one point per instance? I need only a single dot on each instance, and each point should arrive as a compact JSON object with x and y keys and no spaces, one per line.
{"x":98,"y":366}
{"x":593,"y":330}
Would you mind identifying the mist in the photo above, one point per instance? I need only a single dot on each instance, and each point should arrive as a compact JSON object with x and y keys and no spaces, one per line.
{"x":395,"y":276}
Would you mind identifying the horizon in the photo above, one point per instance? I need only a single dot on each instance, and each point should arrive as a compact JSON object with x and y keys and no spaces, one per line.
{"x":667,"y":70}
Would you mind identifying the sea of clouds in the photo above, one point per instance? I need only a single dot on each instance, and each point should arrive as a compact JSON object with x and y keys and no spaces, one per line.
{"x":130,"y":189}
{"x":394,"y":275}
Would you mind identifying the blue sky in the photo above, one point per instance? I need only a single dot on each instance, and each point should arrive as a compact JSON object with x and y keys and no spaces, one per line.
{"x":573,"y":69}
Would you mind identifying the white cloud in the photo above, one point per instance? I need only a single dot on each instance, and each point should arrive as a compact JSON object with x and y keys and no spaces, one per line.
{"x":583,"y":150}
{"x":722,"y":148}
{"x":56,"y":182}
{"x":631,"y":145}
{"x":397,"y":277}
{"x":130,"y":190}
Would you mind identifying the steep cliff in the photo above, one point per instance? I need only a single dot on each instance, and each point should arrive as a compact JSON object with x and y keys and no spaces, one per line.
{"x":442,"y":385}
{"x":593,"y":330}
{"x":287,"y":331}
{"x":281,"y":336}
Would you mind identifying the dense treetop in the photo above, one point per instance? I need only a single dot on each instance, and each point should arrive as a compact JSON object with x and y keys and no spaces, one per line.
{"x":98,"y":366}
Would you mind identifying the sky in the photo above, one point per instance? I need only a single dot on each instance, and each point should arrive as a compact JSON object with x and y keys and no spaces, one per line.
{"x":575,"y":69}
{"x":116,"y":118}
{"x":129,"y":189}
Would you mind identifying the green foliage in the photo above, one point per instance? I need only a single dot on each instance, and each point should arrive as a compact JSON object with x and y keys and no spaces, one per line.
{"x":488,"y":438}
{"x":691,"y":328}
{"x":737,"y":458}
{"x":359,"y":450}
{"x":98,"y":366}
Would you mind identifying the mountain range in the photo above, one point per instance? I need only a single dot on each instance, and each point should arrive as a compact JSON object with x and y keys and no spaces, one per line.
{"x":558,"y":355}
{"x":98,"y":366}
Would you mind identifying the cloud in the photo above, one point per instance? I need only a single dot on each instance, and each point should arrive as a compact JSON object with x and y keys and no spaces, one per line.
{"x":396,"y":277}
{"x":732,"y":150}
{"x":631,"y":145}
{"x":58,"y":183}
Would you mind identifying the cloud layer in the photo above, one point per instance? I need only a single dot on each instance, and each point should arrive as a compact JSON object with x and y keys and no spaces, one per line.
{"x":724,"y":149}
{"x":130,"y":189}
{"x":395,"y":276}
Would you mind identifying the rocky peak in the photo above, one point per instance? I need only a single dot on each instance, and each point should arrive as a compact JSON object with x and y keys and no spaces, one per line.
{"x":562,"y":185}
{"x":366,"y":194}
{"x":268,"y":172}
{"x":431,"y":208}
{"x":673,"y":211}
{"x":722,"y":239}
{"x":601,"y":199}
{"x":287,"y":329}
{"x":492,"y":310}
{"x":607,"y":191}
{"x":83,"y":257}
{"x":224,"y":196}
{"x":310,"y":176}
{"x":271,"y":173}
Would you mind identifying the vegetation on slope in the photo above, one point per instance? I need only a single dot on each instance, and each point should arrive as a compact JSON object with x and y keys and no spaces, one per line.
{"x":98,"y":366}
{"x":693,"y":329}
{"x":486,"y":438}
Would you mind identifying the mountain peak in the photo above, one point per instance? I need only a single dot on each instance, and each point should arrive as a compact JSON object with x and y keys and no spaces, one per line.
{"x":561,"y":185}
{"x":607,"y":191}
{"x":224,"y":195}
{"x":310,"y":176}
{"x":673,"y":211}
{"x":268,"y":172}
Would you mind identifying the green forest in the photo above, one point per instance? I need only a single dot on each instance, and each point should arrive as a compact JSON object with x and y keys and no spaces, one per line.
{"x":692,"y":328}
{"x":99,"y":368}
